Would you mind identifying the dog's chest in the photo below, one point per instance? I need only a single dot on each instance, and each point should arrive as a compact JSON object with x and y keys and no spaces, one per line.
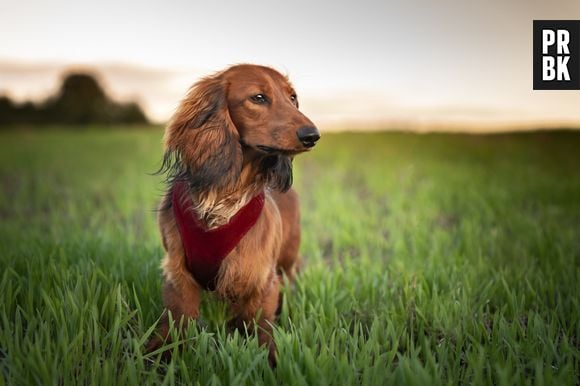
{"x":205,"y":249}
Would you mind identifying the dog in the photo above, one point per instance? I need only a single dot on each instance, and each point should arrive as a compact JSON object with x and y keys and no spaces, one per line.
{"x":229,"y":220}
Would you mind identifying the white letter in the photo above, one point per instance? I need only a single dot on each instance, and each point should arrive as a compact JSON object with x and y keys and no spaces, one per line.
{"x":563,"y":40}
{"x":563,"y":68}
{"x":548,"y":71}
{"x":548,"y":39}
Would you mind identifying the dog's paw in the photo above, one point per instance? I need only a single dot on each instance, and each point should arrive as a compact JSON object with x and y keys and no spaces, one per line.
{"x":153,"y":349}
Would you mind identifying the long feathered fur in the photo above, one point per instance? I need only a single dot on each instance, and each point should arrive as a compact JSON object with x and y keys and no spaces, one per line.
{"x":203,"y":148}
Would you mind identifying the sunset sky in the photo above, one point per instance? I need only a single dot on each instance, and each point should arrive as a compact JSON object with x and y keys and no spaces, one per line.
{"x":418,"y":63}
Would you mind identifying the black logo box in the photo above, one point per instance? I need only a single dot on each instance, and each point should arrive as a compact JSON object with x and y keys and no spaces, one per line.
{"x":573,"y":27}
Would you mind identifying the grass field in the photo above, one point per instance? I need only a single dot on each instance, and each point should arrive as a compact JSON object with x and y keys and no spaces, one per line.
{"x":430,"y":260}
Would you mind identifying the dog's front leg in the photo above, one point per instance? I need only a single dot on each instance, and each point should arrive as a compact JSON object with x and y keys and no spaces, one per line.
{"x":259,"y":312}
{"x":182,"y":297}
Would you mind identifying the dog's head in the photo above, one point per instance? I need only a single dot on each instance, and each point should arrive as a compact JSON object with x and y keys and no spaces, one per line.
{"x":246,"y":112}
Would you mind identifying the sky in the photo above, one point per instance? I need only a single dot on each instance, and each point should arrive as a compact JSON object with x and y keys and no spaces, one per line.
{"x":460,"y":64}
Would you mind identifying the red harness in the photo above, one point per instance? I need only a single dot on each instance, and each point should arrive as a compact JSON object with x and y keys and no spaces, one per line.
{"x":206,"y":249}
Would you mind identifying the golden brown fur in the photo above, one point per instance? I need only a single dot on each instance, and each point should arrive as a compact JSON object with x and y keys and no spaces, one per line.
{"x":233,"y":135}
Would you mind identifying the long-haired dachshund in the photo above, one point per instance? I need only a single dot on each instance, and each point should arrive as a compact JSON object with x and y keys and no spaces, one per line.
{"x":229,"y":220}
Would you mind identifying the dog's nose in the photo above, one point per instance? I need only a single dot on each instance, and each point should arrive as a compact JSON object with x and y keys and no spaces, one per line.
{"x":308,"y":135}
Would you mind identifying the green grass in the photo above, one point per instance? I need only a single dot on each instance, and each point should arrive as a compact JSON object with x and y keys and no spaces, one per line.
{"x":430,"y":259}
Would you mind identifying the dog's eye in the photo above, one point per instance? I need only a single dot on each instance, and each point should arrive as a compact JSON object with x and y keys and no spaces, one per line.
{"x":294,"y":100}
{"x":259,"y":99}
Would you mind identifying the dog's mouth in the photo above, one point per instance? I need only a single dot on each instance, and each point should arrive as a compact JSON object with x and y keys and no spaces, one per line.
{"x":270,"y":150}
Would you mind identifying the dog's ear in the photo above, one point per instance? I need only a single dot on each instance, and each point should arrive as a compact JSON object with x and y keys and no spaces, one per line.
{"x":202,"y":137}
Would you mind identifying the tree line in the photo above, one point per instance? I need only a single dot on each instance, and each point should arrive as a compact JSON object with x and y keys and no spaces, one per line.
{"x":80,"y":101}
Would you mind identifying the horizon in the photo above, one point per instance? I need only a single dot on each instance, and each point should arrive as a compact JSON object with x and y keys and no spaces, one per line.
{"x":417,"y":65}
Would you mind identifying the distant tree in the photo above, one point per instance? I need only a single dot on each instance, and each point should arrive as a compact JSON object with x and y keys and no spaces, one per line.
{"x":80,"y":101}
{"x":7,"y":110}
{"x":130,"y":113}
{"x":12,"y":113}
